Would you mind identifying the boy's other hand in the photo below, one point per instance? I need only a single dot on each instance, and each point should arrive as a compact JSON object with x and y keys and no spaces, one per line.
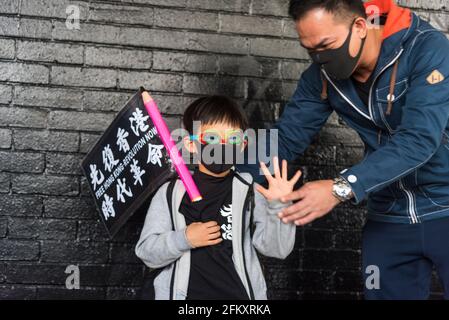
{"x":279,"y":185}
{"x":202,"y":234}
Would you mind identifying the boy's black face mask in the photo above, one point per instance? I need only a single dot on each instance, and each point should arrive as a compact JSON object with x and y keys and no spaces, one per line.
{"x":338,"y":63}
{"x":228,"y":155}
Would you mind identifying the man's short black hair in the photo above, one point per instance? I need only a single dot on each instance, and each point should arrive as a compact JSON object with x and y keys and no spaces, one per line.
{"x":343,"y":9}
{"x":214,"y":109}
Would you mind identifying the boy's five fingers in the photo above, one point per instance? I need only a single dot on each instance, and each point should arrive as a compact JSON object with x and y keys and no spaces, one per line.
{"x":214,"y":235}
{"x":279,"y":171}
{"x":284,"y":169}
{"x":262,"y":190}
{"x":296,"y":177}
{"x":210,"y":224}
{"x":213,"y":229}
{"x":214,"y":242}
{"x":201,"y":234}
{"x":277,"y":174}
{"x":266,"y":172}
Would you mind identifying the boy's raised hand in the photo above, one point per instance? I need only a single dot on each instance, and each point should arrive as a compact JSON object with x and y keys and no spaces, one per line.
{"x":278,"y":185}
{"x":202,"y":234}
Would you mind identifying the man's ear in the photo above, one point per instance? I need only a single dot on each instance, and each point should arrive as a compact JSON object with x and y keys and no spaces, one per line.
{"x":190,"y":145}
{"x":362,"y":28}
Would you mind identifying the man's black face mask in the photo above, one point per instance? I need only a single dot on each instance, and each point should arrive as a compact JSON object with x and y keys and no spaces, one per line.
{"x":338,"y":63}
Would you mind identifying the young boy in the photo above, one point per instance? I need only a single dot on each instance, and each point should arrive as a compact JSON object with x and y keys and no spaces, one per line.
{"x":207,"y":249}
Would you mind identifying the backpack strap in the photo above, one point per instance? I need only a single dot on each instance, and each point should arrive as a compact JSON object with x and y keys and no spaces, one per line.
{"x":170,"y":187}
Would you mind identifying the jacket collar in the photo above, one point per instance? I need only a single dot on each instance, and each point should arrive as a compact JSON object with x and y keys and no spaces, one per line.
{"x":399,"y":26}
{"x":398,"y":18}
{"x":397,"y":29}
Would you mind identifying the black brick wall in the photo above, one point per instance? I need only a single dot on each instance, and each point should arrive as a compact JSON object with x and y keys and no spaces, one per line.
{"x":60,"y":88}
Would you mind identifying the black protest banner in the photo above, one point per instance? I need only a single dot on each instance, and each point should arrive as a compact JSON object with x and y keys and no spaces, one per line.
{"x":126,"y":165}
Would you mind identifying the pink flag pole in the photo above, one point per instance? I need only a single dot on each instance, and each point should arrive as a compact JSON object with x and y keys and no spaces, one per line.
{"x":169,"y":144}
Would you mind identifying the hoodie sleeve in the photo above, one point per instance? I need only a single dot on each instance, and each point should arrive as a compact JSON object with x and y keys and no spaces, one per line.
{"x":424,"y":119}
{"x":159,"y":245}
{"x":272,"y":237}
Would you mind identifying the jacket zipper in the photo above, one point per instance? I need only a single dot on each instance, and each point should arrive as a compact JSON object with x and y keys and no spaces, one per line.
{"x":409,"y":194}
{"x":172,"y":282}
{"x":251,"y":292}
{"x":346,"y":98}
{"x":411,"y":202}
{"x":370,"y":117}
{"x":171,"y":187}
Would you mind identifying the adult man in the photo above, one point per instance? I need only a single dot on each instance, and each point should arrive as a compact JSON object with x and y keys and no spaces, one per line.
{"x":389,"y":81}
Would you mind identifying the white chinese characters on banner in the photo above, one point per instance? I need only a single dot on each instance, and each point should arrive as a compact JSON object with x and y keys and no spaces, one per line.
{"x":155,"y":154}
{"x":108,"y":158}
{"x":226,"y":212}
{"x":122,"y":143}
{"x":137,"y":172}
{"x":121,"y":189}
{"x":138,"y":122}
{"x":107,"y":207}
{"x":120,"y":170}
{"x":96,"y":175}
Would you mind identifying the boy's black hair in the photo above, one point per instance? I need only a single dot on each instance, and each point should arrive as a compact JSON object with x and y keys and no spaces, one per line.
{"x":343,"y":9}
{"x":214,"y":109}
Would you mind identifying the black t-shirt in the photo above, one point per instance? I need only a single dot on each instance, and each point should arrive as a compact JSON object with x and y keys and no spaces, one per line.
{"x":212,"y":271}
{"x":363,"y":88}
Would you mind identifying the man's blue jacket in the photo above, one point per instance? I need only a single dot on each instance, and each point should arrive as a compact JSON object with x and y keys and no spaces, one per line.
{"x":405,"y":171}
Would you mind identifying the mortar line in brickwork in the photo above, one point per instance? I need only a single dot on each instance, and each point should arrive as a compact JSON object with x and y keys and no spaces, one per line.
{"x":154,"y":27}
{"x":84,"y":46}
{"x":143,"y":48}
{"x":161,"y":6}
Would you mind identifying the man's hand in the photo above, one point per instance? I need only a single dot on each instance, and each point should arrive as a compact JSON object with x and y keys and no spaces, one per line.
{"x":202,"y":234}
{"x":315,"y":200}
{"x":279,"y":185}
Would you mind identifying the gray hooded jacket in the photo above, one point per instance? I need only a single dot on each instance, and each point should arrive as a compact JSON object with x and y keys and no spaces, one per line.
{"x":160,"y":246}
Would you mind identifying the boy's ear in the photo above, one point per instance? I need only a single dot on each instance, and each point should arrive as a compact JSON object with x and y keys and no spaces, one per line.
{"x":189,"y":145}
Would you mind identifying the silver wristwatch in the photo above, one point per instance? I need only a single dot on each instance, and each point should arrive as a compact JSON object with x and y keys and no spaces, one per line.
{"x":342,"y":190}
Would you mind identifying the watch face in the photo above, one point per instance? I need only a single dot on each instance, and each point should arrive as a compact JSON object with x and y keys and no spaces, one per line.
{"x":341,"y":189}
{"x":341,"y":192}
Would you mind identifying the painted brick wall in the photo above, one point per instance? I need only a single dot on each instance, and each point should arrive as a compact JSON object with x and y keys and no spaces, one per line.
{"x":60,"y":88}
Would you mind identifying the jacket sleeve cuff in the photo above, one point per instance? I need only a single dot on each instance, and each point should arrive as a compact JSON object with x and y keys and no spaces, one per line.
{"x":357,"y":187}
{"x":180,"y":240}
{"x":275,"y":206}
